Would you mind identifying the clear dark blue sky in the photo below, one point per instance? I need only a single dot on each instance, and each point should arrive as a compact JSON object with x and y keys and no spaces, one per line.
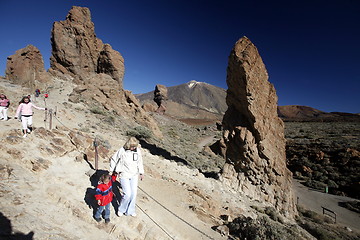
{"x":311,"y":49}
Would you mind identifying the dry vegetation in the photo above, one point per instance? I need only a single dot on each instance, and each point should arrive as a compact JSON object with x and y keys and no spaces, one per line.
{"x":325,"y":155}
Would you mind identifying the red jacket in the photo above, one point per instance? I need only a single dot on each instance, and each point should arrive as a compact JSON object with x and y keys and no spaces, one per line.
{"x":104,"y":192}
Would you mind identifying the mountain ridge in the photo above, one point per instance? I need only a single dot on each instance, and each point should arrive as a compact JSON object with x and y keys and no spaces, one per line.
{"x":201,"y":100}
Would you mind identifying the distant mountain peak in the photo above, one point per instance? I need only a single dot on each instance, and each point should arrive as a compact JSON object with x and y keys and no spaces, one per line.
{"x":192,"y":83}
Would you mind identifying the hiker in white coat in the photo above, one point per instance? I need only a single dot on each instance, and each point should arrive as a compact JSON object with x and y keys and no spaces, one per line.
{"x":127,"y":162}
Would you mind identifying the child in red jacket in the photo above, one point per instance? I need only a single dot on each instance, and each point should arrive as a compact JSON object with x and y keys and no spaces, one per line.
{"x":104,"y":196}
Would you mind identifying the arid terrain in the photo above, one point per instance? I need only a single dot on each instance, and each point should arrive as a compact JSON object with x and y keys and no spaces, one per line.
{"x":204,"y":179}
{"x":175,"y":200}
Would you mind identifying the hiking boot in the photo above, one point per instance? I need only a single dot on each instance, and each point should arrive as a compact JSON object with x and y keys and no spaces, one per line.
{"x":107,"y":220}
{"x":97,"y":219}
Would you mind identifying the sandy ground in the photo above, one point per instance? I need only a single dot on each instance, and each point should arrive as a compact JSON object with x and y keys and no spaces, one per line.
{"x":52,"y":203}
{"x":174,"y":202}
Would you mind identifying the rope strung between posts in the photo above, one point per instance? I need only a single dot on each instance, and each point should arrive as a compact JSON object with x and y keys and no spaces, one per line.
{"x":175,"y":214}
{"x":157,"y":224}
{"x":62,"y":123}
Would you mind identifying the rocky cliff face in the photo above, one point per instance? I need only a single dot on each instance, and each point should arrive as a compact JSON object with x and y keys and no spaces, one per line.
{"x":26,"y":67}
{"x":104,"y":93}
{"x":96,"y":68}
{"x":253,"y":134}
{"x":78,"y":52}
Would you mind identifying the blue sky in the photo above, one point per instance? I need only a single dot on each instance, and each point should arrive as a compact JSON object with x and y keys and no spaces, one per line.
{"x":311,"y":49}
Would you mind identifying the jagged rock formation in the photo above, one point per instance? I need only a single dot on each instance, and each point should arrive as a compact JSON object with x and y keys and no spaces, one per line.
{"x":160,"y":95}
{"x":98,"y":69}
{"x":78,"y":52}
{"x":26,"y":67}
{"x":103,"y":92}
{"x":253,"y":134}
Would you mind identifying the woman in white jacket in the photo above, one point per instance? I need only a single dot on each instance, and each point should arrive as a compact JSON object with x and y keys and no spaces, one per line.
{"x":128,"y":163}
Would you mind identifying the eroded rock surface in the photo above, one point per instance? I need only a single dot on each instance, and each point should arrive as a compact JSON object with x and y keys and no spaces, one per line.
{"x":26,"y":67}
{"x":78,"y":52}
{"x":253,"y":134}
{"x":160,"y":95}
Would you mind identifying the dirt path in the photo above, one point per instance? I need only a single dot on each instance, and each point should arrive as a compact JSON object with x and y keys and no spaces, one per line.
{"x":315,"y":200}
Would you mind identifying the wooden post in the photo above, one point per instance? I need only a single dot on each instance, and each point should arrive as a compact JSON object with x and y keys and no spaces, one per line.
{"x":50,"y":118}
{"x":46,"y":113}
{"x":96,"y":155}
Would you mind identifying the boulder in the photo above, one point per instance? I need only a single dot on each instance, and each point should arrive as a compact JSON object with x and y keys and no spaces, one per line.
{"x":253,"y":134}
{"x":76,"y":51}
{"x":26,"y":67}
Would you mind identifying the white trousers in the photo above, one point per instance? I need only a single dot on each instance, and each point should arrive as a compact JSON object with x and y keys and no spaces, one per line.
{"x":26,"y":122}
{"x":128,"y":201}
{"x":3,"y":113}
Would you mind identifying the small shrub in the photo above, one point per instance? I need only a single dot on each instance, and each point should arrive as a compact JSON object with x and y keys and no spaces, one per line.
{"x":258,"y":209}
{"x":97,"y":110}
{"x":140,"y":132}
{"x":332,"y":184}
{"x":110,"y":119}
{"x":318,"y":232}
{"x":84,"y":129}
{"x":101,"y":141}
{"x":315,"y":184}
{"x":313,"y":216}
{"x":352,"y":206}
{"x":271,"y":212}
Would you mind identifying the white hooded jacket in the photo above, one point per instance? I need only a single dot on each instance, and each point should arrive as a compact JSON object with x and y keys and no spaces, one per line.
{"x":127,"y":163}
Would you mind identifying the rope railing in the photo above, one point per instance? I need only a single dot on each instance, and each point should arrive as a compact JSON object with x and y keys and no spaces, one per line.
{"x":157,"y":224}
{"x":174,"y":214}
{"x":156,"y":201}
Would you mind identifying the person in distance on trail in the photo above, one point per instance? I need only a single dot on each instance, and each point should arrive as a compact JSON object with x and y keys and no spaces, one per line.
{"x":4,"y":105}
{"x":104,"y":196}
{"x":25,"y":110}
{"x":128,"y":163}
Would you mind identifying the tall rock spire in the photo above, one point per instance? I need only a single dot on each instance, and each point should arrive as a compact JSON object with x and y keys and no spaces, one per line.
{"x":253,"y":134}
{"x":78,"y":52}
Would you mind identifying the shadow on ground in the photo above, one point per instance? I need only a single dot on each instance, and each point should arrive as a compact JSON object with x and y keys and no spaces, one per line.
{"x":155,"y":150}
{"x":6,"y":231}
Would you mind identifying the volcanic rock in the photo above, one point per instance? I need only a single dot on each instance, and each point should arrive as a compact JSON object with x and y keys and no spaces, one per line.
{"x":77,"y":51}
{"x":26,"y":67}
{"x":103,"y":92}
{"x":253,"y":133}
{"x":111,"y":62}
{"x":160,"y":95}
